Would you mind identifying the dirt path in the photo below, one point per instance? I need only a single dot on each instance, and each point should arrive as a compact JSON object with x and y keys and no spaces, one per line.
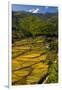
{"x":45,"y":80}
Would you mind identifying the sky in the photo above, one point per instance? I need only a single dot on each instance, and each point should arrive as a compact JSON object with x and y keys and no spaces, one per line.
{"x":34,"y":9}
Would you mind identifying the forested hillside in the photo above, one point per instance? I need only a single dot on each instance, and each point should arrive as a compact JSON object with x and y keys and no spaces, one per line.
{"x":30,"y":25}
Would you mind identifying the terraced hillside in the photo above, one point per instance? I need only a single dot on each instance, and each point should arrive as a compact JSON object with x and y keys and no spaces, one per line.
{"x":29,"y":61}
{"x":34,"y":47}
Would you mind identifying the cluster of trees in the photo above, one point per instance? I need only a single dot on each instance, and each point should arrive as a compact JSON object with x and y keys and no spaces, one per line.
{"x":32,"y":25}
{"x":53,"y":72}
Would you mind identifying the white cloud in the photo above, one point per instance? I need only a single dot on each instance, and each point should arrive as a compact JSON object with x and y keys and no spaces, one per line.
{"x":33,"y":10}
{"x":36,"y":10}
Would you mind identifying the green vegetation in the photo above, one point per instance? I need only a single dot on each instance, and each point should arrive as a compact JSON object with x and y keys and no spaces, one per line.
{"x":53,"y":72}
{"x":34,"y":48}
{"x":30,"y":25}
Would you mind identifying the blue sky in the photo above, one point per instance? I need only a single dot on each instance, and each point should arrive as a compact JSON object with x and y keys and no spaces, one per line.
{"x":34,"y":9}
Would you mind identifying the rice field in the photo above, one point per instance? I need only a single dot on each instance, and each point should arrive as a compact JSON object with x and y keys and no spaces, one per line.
{"x":29,"y":61}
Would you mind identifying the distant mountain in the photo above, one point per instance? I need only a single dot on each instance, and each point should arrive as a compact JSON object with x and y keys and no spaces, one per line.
{"x":41,"y":15}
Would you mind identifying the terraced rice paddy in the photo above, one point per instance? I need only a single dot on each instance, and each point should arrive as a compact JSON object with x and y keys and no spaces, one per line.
{"x":29,"y":61}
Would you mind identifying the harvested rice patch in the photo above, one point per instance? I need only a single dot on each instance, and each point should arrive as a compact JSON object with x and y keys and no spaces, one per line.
{"x":21,"y":72}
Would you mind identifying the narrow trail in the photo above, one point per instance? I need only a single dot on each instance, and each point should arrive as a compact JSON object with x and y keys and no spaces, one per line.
{"x":44,"y":82}
{"x":44,"y":79}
